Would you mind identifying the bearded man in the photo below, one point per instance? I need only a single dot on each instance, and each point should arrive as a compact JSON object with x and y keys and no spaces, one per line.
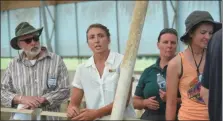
{"x":36,"y":78}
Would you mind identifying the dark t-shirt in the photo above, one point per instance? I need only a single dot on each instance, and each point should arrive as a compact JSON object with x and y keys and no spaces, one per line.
{"x":148,"y":87}
{"x":212,"y":76}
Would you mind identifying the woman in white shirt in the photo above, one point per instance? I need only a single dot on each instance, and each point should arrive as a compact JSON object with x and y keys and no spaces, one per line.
{"x":97,"y":79}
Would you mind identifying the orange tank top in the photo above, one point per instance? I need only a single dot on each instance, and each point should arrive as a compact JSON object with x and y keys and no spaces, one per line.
{"x":192,"y":106}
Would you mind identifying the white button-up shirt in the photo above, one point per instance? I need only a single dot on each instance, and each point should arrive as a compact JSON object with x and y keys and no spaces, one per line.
{"x":99,"y":92}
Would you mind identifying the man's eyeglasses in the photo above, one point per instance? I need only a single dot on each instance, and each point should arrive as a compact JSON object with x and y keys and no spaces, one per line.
{"x":29,"y":40}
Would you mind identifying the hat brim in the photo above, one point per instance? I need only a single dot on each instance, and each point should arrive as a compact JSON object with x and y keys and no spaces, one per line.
{"x":217,"y":26}
{"x":14,"y":43}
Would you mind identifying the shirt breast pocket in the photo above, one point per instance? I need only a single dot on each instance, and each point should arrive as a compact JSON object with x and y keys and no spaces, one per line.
{"x":51,"y":81}
{"x":111,"y":82}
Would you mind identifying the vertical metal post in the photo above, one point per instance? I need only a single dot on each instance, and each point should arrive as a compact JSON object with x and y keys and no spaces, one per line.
{"x":9,"y":32}
{"x":117,"y":26}
{"x":77,"y":34}
{"x":56,"y":29}
{"x":41,"y":24}
{"x":165,"y":15}
{"x":177,"y":22}
{"x":45,"y":26}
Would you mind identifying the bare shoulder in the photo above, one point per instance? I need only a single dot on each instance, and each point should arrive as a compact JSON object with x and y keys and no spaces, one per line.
{"x":174,"y":64}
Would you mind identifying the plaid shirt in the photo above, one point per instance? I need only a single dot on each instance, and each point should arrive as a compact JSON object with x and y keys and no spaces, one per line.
{"x":48,"y":78}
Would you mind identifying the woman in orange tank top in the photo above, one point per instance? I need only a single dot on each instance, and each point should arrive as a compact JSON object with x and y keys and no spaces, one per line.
{"x":185,"y":70}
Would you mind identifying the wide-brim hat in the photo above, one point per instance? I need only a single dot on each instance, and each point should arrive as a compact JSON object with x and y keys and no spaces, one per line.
{"x":22,"y":29}
{"x":197,"y":17}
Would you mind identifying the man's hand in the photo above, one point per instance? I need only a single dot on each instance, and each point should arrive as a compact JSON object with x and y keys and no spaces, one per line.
{"x":25,"y":107}
{"x":72,"y":111}
{"x":151,"y":103}
{"x":162,"y":95}
{"x":42,"y":100}
{"x":87,"y":114}
{"x":30,"y":101}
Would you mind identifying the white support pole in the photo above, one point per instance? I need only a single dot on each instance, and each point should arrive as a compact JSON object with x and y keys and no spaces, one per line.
{"x":128,"y":64}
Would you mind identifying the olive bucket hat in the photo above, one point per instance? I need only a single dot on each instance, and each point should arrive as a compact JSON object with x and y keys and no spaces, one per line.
{"x":24,"y":28}
{"x":197,"y":17}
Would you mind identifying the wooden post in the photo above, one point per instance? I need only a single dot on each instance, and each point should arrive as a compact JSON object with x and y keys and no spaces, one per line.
{"x":128,"y":64}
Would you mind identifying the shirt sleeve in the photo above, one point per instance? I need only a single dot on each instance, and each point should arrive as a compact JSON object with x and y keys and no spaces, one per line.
{"x":141,"y":84}
{"x":7,"y":89}
{"x":77,"y":78}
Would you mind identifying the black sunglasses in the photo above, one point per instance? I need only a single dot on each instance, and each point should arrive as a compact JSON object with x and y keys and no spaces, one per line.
{"x":29,"y":40}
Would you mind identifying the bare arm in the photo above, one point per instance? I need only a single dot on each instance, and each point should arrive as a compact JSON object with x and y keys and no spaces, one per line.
{"x":75,"y":101}
{"x":173,"y":72}
{"x":76,"y":97}
{"x":204,"y":94}
{"x":138,"y":102}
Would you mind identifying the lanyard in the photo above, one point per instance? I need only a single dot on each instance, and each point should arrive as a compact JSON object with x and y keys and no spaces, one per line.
{"x":198,"y":73}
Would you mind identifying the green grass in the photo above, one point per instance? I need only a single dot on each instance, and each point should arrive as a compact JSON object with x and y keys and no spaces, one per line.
{"x":72,"y":63}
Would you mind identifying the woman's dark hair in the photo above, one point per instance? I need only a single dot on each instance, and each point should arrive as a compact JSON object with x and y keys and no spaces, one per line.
{"x":167,"y":30}
{"x":97,"y":25}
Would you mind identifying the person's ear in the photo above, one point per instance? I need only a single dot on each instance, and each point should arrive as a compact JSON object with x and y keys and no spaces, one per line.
{"x":18,"y":43}
{"x":158,"y":45}
{"x":190,"y":34}
{"x":109,"y":40}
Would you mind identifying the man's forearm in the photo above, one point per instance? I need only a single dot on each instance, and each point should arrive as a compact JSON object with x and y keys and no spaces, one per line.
{"x":55,"y":98}
{"x":7,"y":98}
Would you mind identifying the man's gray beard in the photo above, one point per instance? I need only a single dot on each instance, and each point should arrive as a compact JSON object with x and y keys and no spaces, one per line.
{"x":32,"y":54}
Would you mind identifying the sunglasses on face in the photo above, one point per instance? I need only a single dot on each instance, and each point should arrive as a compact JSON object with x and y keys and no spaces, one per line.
{"x":29,"y":40}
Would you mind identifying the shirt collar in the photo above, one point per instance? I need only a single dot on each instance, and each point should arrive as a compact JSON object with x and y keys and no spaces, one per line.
{"x":157,"y":65}
{"x":110,"y":60}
